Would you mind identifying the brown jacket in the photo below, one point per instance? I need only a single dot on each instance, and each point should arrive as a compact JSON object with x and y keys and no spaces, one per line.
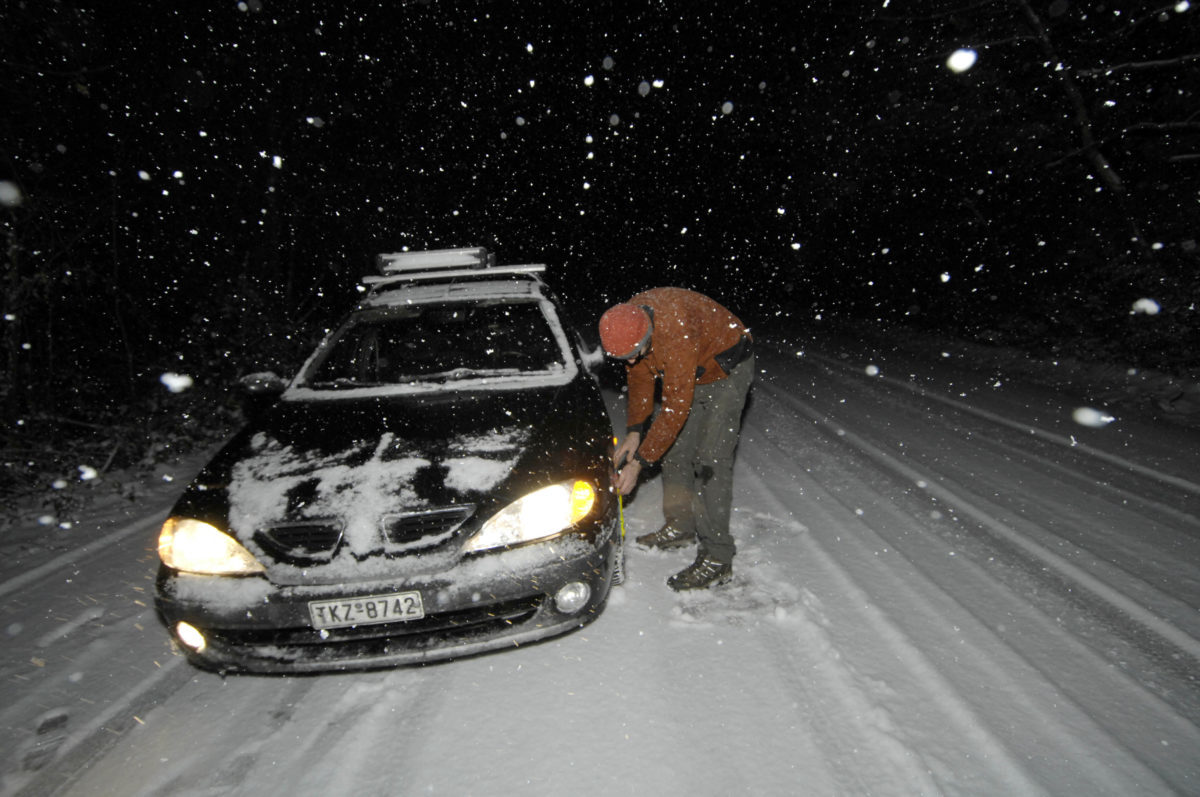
{"x":689,"y":330}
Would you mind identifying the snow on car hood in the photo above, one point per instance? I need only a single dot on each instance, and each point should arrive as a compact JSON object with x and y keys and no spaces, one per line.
{"x":357,"y":485}
{"x":381,"y":458}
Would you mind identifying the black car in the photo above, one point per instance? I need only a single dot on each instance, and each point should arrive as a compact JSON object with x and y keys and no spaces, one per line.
{"x":434,"y":482}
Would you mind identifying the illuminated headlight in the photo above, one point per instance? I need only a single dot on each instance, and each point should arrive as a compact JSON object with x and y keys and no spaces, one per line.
{"x":546,"y":513}
{"x":194,"y":546}
{"x":189,"y":635}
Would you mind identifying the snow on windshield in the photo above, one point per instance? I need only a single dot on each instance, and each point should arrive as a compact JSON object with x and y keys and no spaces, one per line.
{"x":481,"y":342}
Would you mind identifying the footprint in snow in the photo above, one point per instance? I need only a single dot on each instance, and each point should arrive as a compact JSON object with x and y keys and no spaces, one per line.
{"x":756,"y":592}
{"x":50,"y":731}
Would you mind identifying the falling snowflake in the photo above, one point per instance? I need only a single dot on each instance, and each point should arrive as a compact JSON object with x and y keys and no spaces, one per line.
{"x":961,"y":60}
{"x":176,"y":383}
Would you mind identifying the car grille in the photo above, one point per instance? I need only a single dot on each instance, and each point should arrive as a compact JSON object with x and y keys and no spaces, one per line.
{"x":311,"y":540}
{"x":417,"y":530}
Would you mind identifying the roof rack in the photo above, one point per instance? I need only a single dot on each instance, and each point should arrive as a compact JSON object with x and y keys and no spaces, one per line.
{"x":404,"y":262}
{"x":442,"y":264}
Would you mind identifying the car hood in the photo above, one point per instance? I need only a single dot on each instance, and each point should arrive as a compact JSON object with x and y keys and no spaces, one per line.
{"x":357,"y":461}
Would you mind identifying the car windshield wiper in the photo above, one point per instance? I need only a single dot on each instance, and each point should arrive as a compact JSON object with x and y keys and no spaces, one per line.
{"x":452,"y":375}
{"x":341,"y":383}
{"x":455,"y":374}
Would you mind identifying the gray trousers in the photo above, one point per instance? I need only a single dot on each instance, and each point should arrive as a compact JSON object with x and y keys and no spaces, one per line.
{"x":697,"y":471}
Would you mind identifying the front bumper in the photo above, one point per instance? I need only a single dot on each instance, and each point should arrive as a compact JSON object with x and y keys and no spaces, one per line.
{"x":493,"y":601}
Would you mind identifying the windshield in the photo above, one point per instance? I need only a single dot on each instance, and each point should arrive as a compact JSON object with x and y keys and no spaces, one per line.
{"x":436,"y":342}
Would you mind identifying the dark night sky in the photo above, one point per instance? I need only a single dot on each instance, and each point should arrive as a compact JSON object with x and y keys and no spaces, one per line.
{"x":192,"y":176}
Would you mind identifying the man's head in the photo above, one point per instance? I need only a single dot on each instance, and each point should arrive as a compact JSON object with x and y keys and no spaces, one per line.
{"x":625,"y":331}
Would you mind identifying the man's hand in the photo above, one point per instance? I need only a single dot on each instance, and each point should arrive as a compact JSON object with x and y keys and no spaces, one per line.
{"x":626,"y":466}
{"x":627,"y":477}
{"x":627,"y":449}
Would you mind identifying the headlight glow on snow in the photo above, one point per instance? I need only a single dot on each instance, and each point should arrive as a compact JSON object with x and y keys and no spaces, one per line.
{"x":539,"y":515}
{"x":194,"y":546}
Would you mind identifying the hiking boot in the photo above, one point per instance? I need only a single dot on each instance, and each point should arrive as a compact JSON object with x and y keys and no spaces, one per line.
{"x":667,"y":537}
{"x":701,"y":574}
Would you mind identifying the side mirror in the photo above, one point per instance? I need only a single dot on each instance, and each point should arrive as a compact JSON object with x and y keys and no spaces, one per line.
{"x":263,"y":382}
{"x":594,"y":359}
{"x":589,"y":352}
{"x":257,"y":392}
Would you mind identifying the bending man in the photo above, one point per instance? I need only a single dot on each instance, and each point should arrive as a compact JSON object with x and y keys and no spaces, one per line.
{"x":703,"y":356}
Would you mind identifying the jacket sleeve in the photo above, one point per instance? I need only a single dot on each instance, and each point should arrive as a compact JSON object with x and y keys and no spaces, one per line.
{"x":679,"y":388}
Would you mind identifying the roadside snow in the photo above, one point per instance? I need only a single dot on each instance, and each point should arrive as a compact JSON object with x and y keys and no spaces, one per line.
{"x":1175,"y":397}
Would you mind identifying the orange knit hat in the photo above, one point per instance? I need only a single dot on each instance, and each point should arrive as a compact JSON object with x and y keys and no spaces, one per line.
{"x":623,"y":329}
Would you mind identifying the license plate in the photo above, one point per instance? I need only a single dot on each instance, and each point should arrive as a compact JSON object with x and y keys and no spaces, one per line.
{"x":366,"y":610}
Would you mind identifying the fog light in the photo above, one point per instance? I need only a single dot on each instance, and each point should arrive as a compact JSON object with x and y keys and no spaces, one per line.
{"x":190,"y":636}
{"x":572,"y":597}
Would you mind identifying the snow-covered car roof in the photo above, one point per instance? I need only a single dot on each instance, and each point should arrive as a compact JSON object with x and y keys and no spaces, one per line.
{"x":423,"y":292}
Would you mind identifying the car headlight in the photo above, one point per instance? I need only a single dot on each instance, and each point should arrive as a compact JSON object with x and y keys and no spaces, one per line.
{"x":194,"y":546}
{"x":542,"y":514}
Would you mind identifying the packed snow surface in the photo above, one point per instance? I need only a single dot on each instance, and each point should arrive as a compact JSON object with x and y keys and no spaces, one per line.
{"x":946,"y":584}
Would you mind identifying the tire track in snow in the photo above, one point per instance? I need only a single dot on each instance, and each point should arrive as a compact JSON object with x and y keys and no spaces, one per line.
{"x":18,"y":710}
{"x":67,"y":628}
{"x":1062,"y":440}
{"x":862,"y":741}
{"x":346,"y":721}
{"x":1031,"y":440}
{"x":1084,"y":480}
{"x":63,"y":642}
{"x":1133,"y":543}
{"x":274,"y":706}
{"x":400,"y":704}
{"x":77,"y":555}
{"x":303,"y":735}
{"x":1030,"y":443}
{"x":935,"y":487}
{"x":89,"y":741}
{"x":703,"y":693}
{"x":797,"y":684}
{"x":1095,"y":700}
{"x":854,"y":704}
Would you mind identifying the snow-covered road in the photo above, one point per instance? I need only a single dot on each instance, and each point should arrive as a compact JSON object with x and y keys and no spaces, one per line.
{"x":945,"y":585}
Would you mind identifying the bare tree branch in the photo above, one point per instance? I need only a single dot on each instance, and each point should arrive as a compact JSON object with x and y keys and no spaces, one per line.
{"x":1143,"y":127}
{"x":1138,"y":66}
{"x":996,"y":43}
{"x":1159,"y":127}
{"x":909,"y":17}
{"x":1134,"y":24}
{"x":1083,"y":121}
